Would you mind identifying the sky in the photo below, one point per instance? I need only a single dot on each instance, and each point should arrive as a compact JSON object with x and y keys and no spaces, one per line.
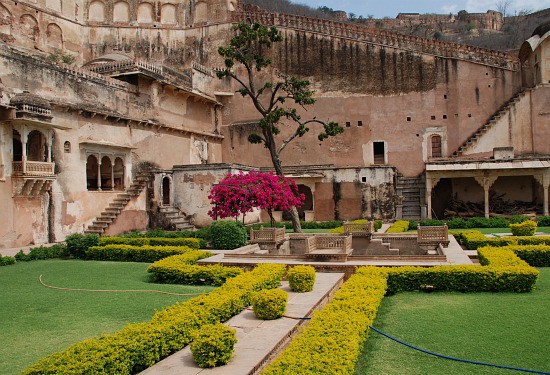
{"x":391,"y":8}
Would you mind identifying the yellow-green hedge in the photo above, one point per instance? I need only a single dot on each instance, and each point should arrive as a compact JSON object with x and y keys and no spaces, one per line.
{"x":139,"y":346}
{"x":193,"y":243}
{"x":527,"y":228}
{"x":399,"y":226}
{"x":534,"y":255}
{"x":269,"y":304}
{"x":301,"y":279}
{"x":147,"y":254}
{"x":377,"y":225}
{"x":181,"y":269}
{"x":474,"y":239}
{"x":332,"y":341}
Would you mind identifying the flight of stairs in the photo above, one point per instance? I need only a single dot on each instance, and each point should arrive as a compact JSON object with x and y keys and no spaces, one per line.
{"x":109,"y":215}
{"x":175,"y":218}
{"x":412,"y":191}
{"x":503,"y":110}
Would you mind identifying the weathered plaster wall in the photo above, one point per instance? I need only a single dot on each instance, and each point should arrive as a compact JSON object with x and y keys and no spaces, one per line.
{"x":134,"y":217}
{"x":540,"y":116}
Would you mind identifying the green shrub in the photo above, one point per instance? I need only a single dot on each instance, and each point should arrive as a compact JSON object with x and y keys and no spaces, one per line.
{"x":431,"y":223}
{"x":146,"y":254}
{"x":482,"y":222}
{"x":139,"y":346}
{"x":457,"y":223}
{"x":301,"y":279}
{"x":213,"y":345}
{"x":534,"y":255}
{"x":6,"y":260}
{"x":399,"y":226}
{"x":269,"y":304}
{"x":332,"y":341}
{"x":193,"y":243}
{"x":77,"y":244}
{"x":516,"y":219}
{"x":228,"y":234}
{"x":413,"y":225}
{"x":543,"y":221}
{"x":42,"y":252}
{"x":377,"y":225}
{"x":181,"y":269}
{"x":526,"y":228}
{"x":202,"y":233}
{"x":474,"y":239}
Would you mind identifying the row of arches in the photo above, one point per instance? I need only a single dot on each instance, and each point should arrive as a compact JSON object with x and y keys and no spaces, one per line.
{"x":29,"y":28}
{"x":34,"y":148}
{"x":104,"y":173}
{"x":144,"y":13}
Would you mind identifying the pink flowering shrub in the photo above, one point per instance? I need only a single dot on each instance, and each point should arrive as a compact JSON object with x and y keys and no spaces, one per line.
{"x":241,"y":193}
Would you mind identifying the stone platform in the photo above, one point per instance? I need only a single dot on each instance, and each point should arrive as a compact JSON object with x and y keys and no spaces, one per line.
{"x":258,"y":341}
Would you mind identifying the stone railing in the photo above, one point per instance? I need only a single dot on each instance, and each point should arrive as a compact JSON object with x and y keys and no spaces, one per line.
{"x":359,"y":229}
{"x":29,"y":108}
{"x":144,"y":66}
{"x":338,"y":244}
{"x":32,"y":168}
{"x":203,"y":69}
{"x":433,"y":235}
{"x":381,"y":37}
{"x":267,"y":235}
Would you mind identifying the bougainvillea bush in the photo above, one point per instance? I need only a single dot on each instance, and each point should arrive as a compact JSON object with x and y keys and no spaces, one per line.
{"x":240,"y":193}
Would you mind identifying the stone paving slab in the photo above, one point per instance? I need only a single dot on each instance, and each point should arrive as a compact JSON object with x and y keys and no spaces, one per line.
{"x":455,"y":254}
{"x":257,"y":339}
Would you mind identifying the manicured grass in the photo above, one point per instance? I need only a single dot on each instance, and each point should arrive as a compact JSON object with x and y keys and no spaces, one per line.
{"x":502,"y":328}
{"x":37,"y":321}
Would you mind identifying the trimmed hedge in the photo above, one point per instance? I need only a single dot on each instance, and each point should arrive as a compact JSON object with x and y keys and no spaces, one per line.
{"x":301,"y":279}
{"x":181,"y":269}
{"x":543,"y":221}
{"x":213,"y":345}
{"x":146,"y":254}
{"x":77,"y":243}
{"x":526,"y":228}
{"x":6,"y":260}
{"x":193,"y":243}
{"x":399,"y":226}
{"x":534,"y":255}
{"x":269,"y":304}
{"x":474,"y":239}
{"x":332,"y":341}
{"x":228,"y":234}
{"x":202,"y":233}
{"x":139,"y":346}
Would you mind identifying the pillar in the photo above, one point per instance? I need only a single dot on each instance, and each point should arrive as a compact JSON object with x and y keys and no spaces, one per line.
{"x":544,"y":180}
{"x":486,"y":183}
{"x":49,"y":145}
{"x":113,"y":174}
{"x":99,"y":172}
{"x":431,"y":183}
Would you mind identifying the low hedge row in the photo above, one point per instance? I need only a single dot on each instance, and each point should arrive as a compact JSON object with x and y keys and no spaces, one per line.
{"x":146,"y":254}
{"x":141,"y":345}
{"x":332,"y":341}
{"x":526,"y":228}
{"x":482,"y":222}
{"x":474,"y":239}
{"x":505,"y":272}
{"x":534,"y":255}
{"x":203,"y":233}
{"x":181,"y":269}
{"x":193,"y":243}
{"x":6,"y":260}
{"x":398,"y":227}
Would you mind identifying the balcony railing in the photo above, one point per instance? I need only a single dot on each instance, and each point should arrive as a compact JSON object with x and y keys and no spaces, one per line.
{"x":33,"y":168}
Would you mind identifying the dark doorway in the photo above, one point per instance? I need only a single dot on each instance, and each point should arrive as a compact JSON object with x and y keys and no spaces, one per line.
{"x":166,"y":191}
{"x":308,"y":201}
{"x":379,"y":151}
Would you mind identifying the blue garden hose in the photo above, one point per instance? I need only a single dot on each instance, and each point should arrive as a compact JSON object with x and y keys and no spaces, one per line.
{"x":457,"y":359}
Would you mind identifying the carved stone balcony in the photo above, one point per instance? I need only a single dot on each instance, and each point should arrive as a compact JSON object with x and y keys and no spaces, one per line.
{"x":33,"y":169}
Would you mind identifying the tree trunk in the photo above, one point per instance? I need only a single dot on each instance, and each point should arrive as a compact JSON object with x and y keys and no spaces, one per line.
{"x":295,"y":218}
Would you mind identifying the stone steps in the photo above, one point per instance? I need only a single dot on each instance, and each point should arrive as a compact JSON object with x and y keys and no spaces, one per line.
{"x":176,"y":218}
{"x":111,"y":212}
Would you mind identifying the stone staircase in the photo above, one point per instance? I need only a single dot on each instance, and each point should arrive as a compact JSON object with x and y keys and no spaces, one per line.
{"x":412,"y":192}
{"x":175,"y":218}
{"x":109,"y":215}
{"x":502,"y":111}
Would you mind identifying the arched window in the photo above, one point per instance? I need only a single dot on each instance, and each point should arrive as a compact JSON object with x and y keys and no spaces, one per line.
{"x":54,"y":36}
{"x":118,"y":174}
{"x":121,"y":12}
{"x":92,"y":168}
{"x":145,"y":13}
{"x":67,"y":147}
{"x":96,"y":11}
{"x":436,"y":146}
{"x":17,"y":146}
{"x":106,"y":173}
{"x":29,"y":27}
{"x":6,"y":20}
{"x":36,"y":146}
{"x":168,"y":14}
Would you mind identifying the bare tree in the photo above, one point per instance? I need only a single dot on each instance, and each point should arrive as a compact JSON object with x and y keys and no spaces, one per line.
{"x":503,"y":6}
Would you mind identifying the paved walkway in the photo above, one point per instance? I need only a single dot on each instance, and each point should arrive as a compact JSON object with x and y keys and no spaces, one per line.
{"x":258,"y":340}
{"x":455,"y":254}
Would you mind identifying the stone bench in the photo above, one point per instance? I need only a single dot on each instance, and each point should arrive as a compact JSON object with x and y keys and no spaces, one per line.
{"x":328,"y":248}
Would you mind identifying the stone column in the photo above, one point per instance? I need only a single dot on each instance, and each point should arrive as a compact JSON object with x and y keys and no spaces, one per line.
{"x":486,"y":183}
{"x":49,"y":145}
{"x":113,"y":174}
{"x":431,"y":183}
{"x":544,"y":180}
{"x":99,"y":172}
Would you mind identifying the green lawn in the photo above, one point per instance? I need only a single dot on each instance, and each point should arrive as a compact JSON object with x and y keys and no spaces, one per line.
{"x":502,"y":328}
{"x":37,"y":321}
